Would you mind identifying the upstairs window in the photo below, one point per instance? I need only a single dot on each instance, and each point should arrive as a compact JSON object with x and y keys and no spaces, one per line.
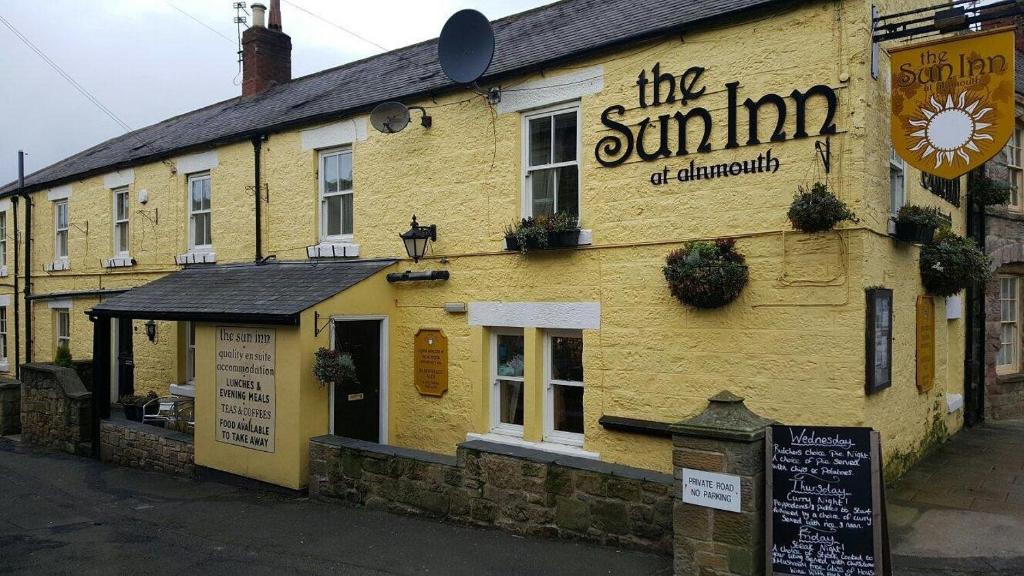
{"x":1015,"y":167}
{"x":551,"y":164}
{"x":121,"y":222}
{"x":199,"y":236}
{"x":336,"y":195}
{"x":3,"y":238}
{"x":897,"y":182}
{"x":60,"y":225}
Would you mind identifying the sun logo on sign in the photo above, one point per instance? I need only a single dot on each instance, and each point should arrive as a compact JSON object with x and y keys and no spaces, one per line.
{"x":950,"y":131}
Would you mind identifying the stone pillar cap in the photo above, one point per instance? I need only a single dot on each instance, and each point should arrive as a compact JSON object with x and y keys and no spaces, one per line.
{"x":727,"y":418}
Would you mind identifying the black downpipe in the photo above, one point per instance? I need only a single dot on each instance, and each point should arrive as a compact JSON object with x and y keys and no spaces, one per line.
{"x":17,"y":321}
{"x":974,"y":359}
{"x":28,"y":255}
{"x":257,"y":148}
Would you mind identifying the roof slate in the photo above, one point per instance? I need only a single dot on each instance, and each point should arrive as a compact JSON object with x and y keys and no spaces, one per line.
{"x":545,"y":35}
{"x":274,"y":292}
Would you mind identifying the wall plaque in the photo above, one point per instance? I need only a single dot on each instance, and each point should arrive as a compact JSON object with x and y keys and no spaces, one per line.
{"x":246,"y":394}
{"x":925,"y":343}
{"x":712,"y":490}
{"x":431,"y":363}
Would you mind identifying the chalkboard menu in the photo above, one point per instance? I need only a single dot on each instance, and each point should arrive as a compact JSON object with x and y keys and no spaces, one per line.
{"x":824,"y":496}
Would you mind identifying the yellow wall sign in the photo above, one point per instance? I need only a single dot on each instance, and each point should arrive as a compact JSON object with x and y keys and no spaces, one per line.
{"x":953,"y":101}
{"x":925,"y":343}
{"x":431,"y":363}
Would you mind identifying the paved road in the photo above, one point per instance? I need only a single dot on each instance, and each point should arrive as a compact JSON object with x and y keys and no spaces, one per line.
{"x":60,"y":514}
{"x":960,"y":512}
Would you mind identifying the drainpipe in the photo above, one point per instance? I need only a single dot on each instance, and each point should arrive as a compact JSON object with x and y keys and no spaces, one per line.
{"x":17,"y":322}
{"x":28,"y":255}
{"x":257,"y":148}
{"x":975,"y":335}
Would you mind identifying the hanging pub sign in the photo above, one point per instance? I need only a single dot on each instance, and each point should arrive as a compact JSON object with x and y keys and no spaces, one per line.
{"x":953,"y":101}
{"x":825,"y":502}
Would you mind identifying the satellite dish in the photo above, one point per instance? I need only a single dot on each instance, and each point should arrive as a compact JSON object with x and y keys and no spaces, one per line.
{"x":390,"y":117}
{"x":466,"y":46}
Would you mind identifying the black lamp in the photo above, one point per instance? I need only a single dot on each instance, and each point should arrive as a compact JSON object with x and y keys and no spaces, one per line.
{"x":151,"y":330}
{"x":417,"y":239}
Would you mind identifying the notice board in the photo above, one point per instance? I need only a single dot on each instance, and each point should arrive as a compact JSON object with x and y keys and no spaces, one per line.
{"x":825,"y":502}
{"x":925,"y":343}
{"x":246,"y":391}
{"x":430,"y":366}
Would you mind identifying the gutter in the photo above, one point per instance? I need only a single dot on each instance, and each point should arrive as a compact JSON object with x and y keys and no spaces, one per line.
{"x":77,"y":293}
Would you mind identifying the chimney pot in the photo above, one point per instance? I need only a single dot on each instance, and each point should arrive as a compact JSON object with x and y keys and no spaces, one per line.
{"x":275,"y":15}
{"x":258,"y":12}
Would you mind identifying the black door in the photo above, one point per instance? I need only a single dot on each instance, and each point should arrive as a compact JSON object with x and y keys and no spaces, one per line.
{"x":125,"y":359}
{"x":357,"y":404}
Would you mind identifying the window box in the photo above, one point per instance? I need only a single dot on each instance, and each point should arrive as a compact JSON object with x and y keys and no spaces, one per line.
{"x":196,"y":258}
{"x":119,"y":262}
{"x":555,"y":241}
{"x":333,"y":250}
{"x":914,"y":232}
{"x":57,"y":265}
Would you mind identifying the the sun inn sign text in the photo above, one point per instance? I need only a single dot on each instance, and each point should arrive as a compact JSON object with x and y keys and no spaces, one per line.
{"x":245,"y":387}
{"x":688,"y":129}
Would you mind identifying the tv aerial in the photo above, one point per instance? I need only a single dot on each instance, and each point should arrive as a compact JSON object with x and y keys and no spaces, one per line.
{"x":466,"y":49}
{"x":391,"y":117}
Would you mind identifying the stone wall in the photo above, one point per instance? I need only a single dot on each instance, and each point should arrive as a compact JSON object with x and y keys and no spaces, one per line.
{"x":56,"y":409}
{"x":10,"y":406}
{"x":138,"y":445}
{"x":515,"y":489}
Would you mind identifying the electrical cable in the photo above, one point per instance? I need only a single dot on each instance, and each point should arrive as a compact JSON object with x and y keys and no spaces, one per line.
{"x":200,"y":22}
{"x":336,"y":25}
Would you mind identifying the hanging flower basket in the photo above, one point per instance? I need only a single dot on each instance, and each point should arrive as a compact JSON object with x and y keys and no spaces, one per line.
{"x":917,"y":223}
{"x":818,"y":209}
{"x":951,"y":264}
{"x":986,"y":191}
{"x":706,"y":274}
{"x":559,"y":230}
{"x":334,"y":367}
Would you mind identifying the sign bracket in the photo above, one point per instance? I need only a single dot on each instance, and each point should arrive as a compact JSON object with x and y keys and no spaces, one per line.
{"x":825,"y":153}
{"x":317,"y":328}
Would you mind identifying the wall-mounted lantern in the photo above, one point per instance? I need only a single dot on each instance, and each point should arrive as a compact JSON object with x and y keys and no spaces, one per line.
{"x":151,"y":330}
{"x":417,"y":238}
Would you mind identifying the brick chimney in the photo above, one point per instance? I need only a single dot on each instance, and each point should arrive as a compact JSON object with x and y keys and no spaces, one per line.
{"x":266,"y":51}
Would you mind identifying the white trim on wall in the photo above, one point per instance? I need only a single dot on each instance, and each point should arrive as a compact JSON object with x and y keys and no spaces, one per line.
{"x":119,"y":178}
{"x":552,"y":90}
{"x":564,"y":315}
{"x":59,"y":193}
{"x":198,"y":162}
{"x":336,"y":134}
{"x":62,"y":303}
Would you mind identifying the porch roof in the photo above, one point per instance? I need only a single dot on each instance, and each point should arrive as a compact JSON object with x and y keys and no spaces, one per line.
{"x":268,"y":293}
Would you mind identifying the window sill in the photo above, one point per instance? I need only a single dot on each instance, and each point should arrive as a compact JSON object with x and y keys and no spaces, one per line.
{"x":57,"y":265}
{"x":119,"y":262}
{"x":5,"y":366}
{"x":1010,"y":378}
{"x":188,"y":390}
{"x":552,"y":447}
{"x":196,"y":258}
{"x":333,"y":249}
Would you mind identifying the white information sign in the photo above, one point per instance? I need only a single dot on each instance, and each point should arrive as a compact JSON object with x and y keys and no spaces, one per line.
{"x":711,"y":490}
{"x":246,"y":394}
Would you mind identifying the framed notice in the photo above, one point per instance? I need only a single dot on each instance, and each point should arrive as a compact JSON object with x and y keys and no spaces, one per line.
{"x":925,"y":343}
{"x":825,"y":502}
{"x":246,"y":392}
{"x":878,"y":340}
{"x":430,"y":365}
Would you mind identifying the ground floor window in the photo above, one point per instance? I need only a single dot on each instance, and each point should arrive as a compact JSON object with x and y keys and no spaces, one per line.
{"x":62,"y":323}
{"x":190,"y":353}
{"x":507,"y":366}
{"x":1007,"y":360}
{"x":563,"y":408}
{"x":3,"y":334}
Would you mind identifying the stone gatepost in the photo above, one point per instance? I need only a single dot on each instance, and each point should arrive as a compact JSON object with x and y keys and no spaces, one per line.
{"x":726,"y":438}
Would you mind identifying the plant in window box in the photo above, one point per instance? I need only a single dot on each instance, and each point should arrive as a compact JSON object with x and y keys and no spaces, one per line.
{"x":559,"y":230}
{"x":818,"y":209}
{"x":134,"y":405}
{"x":987,"y":191}
{"x":706,"y":274}
{"x":917,"y":223}
{"x":333,"y":366}
{"x":952,"y":263}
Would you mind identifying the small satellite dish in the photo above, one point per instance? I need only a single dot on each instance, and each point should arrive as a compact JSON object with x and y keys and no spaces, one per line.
{"x":466,"y":46}
{"x":390,"y":117}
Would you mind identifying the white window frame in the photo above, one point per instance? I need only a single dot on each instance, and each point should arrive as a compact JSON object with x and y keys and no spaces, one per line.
{"x":65,"y":338}
{"x":497,"y":426}
{"x":200,"y":248}
{"x":323,"y":195}
{"x":550,"y":434}
{"x":190,"y":353}
{"x":527,"y":191}
{"x":3,"y":336}
{"x":58,"y":230}
{"x":1014,"y":364}
{"x":3,"y":240}
{"x":121,"y":251}
{"x":897,"y":164}
{"x":1015,"y":168}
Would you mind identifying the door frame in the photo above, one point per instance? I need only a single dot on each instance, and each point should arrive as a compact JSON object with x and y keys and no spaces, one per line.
{"x":382,"y":425}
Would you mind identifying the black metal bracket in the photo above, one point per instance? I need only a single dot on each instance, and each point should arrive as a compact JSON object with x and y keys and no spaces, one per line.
{"x":825,"y":153}
{"x":265,"y":196}
{"x":317,"y":328}
{"x":410,"y":276}
{"x":941,"y":19}
{"x":155,"y":219}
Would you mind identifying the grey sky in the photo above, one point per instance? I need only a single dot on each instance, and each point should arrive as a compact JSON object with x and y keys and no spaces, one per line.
{"x":146,"y":60}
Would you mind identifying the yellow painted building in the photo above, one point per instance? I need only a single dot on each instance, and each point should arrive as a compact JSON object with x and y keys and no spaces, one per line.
{"x":538,"y":328}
